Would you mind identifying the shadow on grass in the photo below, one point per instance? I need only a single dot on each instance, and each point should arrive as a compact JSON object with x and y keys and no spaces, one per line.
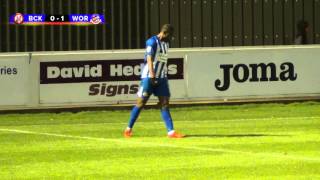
{"x":232,"y":135}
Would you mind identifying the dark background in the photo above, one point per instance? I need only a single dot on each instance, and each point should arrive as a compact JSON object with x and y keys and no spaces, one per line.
{"x":198,"y":23}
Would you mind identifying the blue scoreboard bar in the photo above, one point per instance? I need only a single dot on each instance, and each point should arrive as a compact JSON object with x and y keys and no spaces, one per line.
{"x":45,"y":19}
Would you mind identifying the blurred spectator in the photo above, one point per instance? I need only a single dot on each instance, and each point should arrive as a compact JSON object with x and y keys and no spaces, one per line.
{"x":302,"y":29}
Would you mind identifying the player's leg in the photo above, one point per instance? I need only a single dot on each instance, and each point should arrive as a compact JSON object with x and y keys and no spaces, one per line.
{"x":163,"y":93}
{"x":165,"y":113}
{"x":166,"y":116}
{"x":141,"y":102}
{"x":144,"y":93}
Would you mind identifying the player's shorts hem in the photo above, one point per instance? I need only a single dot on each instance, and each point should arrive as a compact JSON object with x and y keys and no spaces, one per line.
{"x":147,"y":89}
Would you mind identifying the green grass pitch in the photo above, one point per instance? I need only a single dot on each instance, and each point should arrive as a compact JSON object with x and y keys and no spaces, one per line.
{"x":252,"y":141}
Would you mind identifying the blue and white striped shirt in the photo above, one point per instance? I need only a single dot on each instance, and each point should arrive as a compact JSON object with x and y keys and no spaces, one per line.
{"x":159,"y":52}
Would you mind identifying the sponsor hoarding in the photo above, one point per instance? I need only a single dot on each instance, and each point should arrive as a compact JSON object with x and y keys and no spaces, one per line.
{"x":109,"y":81}
{"x":13,"y":77}
{"x":59,"y":79}
{"x":253,"y":73}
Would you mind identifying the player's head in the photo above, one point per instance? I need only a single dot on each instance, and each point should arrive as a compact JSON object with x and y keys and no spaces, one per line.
{"x":166,"y":32}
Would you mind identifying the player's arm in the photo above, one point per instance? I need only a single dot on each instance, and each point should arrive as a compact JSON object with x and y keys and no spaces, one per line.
{"x":150,"y":66}
{"x":151,"y":70}
{"x":151,"y":51}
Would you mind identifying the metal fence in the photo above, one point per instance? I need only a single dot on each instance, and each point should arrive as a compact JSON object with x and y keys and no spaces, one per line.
{"x":198,"y":23}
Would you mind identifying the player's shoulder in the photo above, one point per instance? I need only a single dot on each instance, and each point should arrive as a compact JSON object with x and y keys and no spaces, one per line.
{"x":151,"y":41}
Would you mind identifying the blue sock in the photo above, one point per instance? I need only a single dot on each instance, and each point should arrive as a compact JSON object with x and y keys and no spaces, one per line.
{"x":134,"y":115}
{"x":166,"y":116}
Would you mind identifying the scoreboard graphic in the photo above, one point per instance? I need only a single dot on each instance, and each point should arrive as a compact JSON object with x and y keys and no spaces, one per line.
{"x":44,"y":19}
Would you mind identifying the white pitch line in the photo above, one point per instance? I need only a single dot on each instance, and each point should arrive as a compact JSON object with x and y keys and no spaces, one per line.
{"x":129,"y":141}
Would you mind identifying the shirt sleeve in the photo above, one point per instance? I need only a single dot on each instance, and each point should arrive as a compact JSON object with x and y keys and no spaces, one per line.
{"x":151,"y":47}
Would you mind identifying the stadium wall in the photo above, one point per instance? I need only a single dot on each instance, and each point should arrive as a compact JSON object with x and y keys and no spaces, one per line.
{"x":99,"y":78}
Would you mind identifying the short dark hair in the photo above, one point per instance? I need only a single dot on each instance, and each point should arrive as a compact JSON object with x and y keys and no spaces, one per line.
{"x":167,"y":28}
